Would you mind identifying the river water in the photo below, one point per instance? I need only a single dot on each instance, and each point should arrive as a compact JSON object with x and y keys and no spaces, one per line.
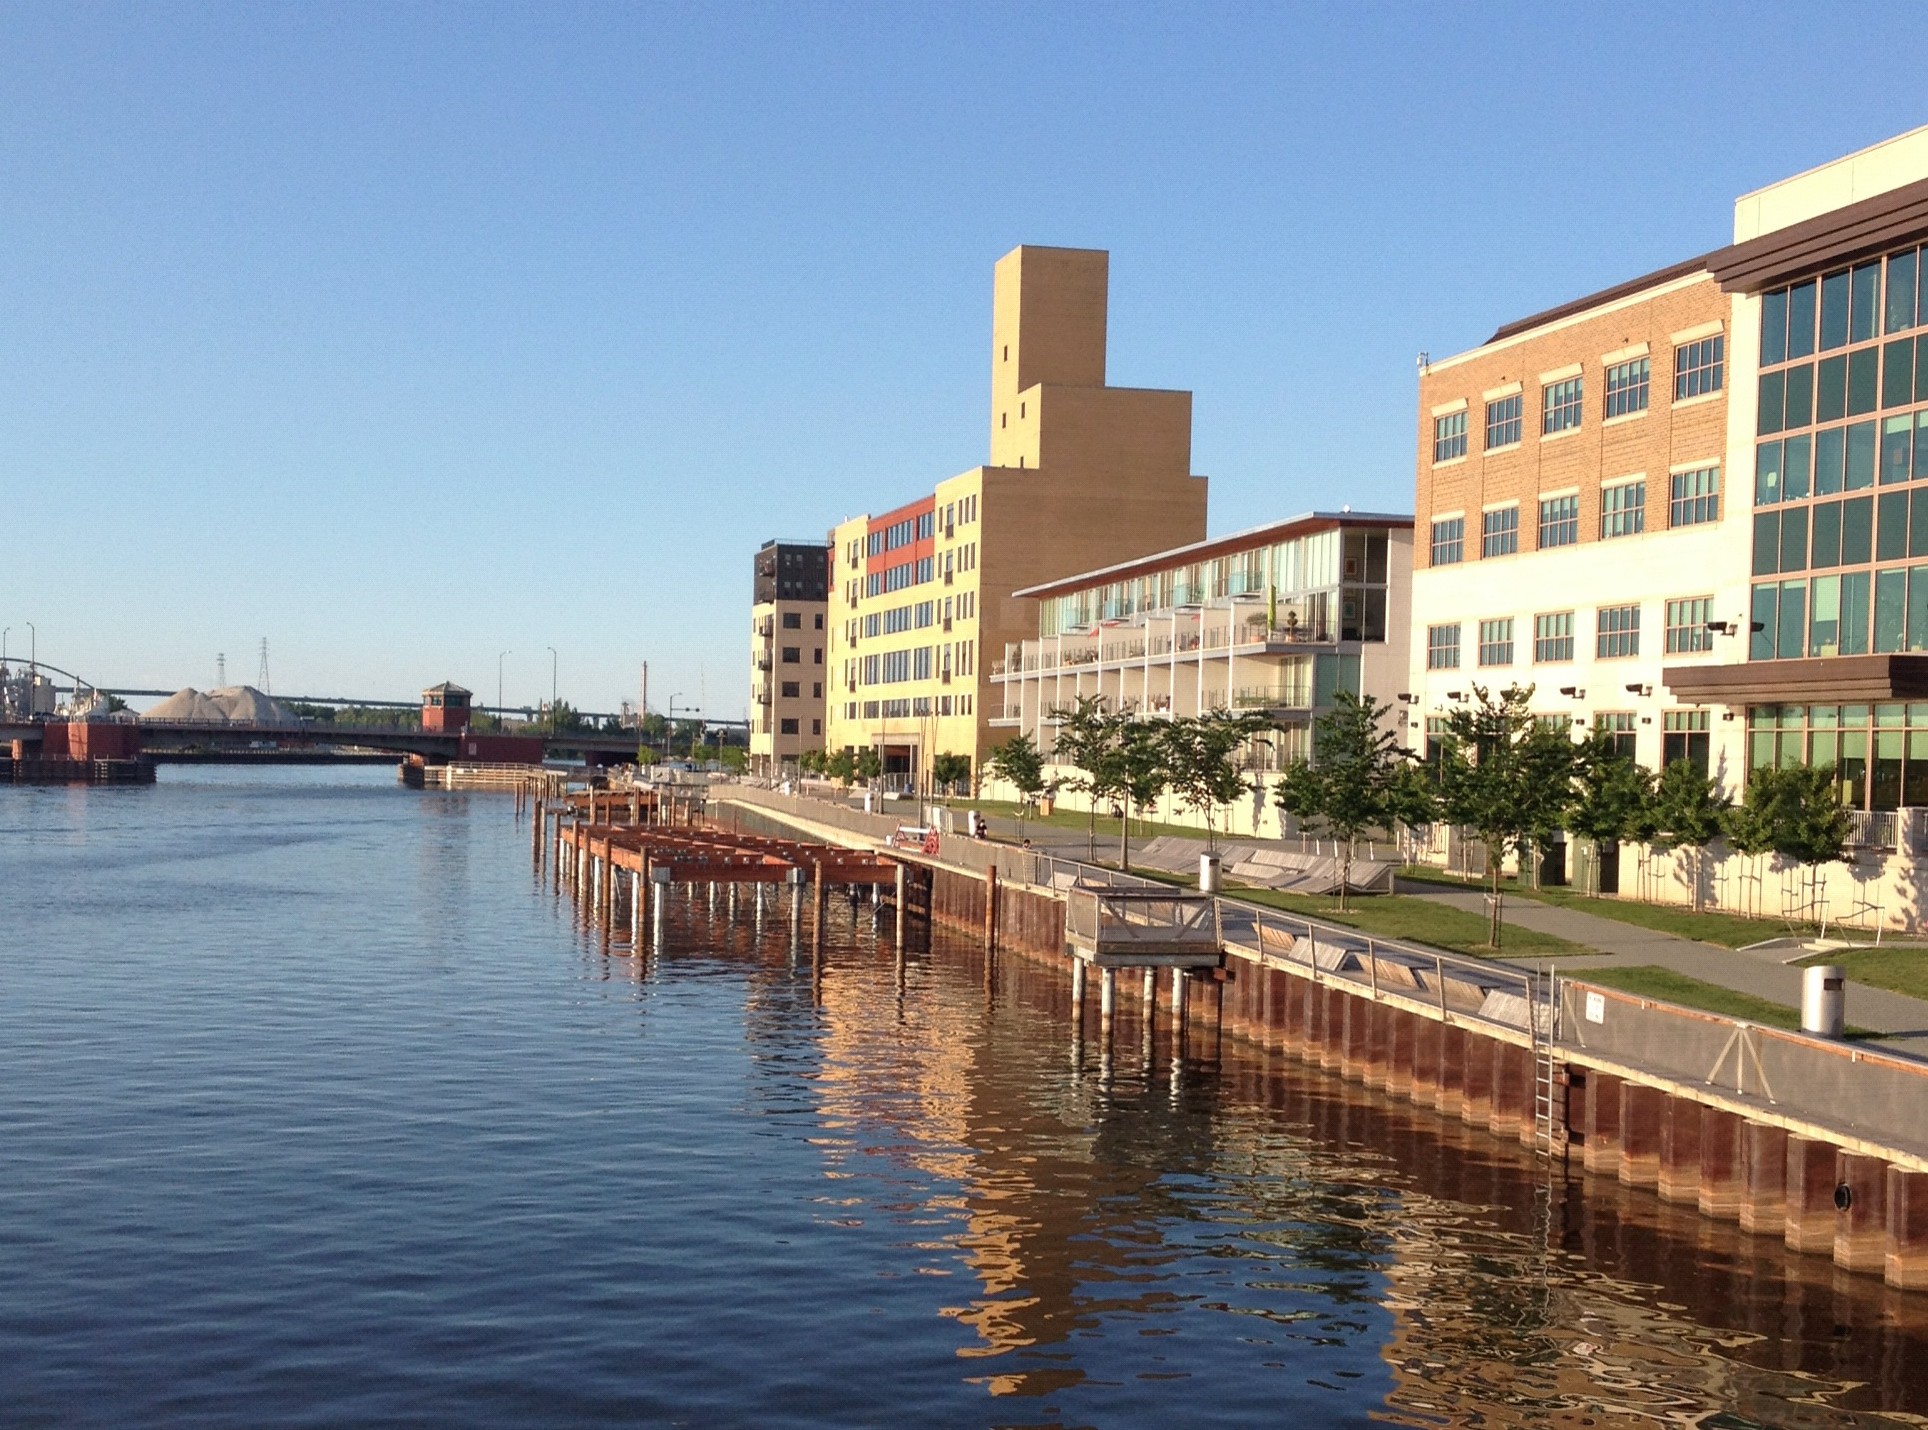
{"x":318,"y":1108}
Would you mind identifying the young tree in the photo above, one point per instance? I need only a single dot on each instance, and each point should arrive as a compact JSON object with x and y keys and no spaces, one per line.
{"x":1687,"y":813}
{"x":1505,"y":776}
{"x":1018,"y":763}
{"x":1142,"y":776}
{"x":868,"y":765}
{"x":948,"y":771}
{"x":1088,"y":742}
{"x":1794,"y":811}
{"x":810,"y":762}
{"x":1348,"y":784}
{"x":1204,"y":762}
{"x":841,"y":766}
{"x":1612,"y":796}
{"x":1413,"y":798}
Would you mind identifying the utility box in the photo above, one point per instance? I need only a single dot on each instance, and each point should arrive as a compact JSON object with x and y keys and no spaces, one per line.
{"x":1824,"y":1000}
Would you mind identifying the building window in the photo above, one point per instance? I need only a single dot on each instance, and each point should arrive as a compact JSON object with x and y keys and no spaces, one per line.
{"x":1616,"y":632}
{"x":1618,"y":728}
{"x":1449,"y":436}
{"x":1496,"y":642}
{"x":1695,"y":499}
{"x":793,"y":620}
{"x":792,"y":655}
{"x":1687,"y":625}
{"x":1561,"y":405}
{"x":787,"y":727}
{"x":1685,"y":738}
{"x":1442,"y":647}
{"x":791,"y":689}
{"x":816,"y":727}
{"x":1623,"y":510}
{"x":816,"y":690}
{"x":1698,"y":367}
{"x":1503,"y":422}
{"x":819,"y":620}
{"x":1559,"y":521}
{"x":1627,"y":386}
{"x":1553,"y":637}
{"x":1499,"y":531}
{"x":1449,"y":541}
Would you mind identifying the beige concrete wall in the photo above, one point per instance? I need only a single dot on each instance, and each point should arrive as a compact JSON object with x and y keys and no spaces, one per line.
{"x":769,"y":746}
{"x":1877,"y":169}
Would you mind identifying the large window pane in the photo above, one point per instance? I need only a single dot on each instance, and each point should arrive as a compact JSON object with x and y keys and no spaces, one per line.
{"x":1914,"y":774}
{"x":1885,"y":786}
{"x":1857,"y":531}
{"x":1921,"y":368}
{"x":1852,"y":770}
{"x":1866,"y":302}
{"x":1901,"y":292}
{"x":1767,"y":542}
{"x":1830,"y":448}
{"x":1834,"y":311}
{"x":1773,"y":402}
{"x":1774,"y":328}
{"x":1824,"y":616}
{"x":1766,"y":616}
{"x":1864,"y":381}
{"x":1794,"y":538}
{"x":1796,"y":455}
{"x":1831,"y":390}
{"x":1897,"y":443}
{"x":1860,"y":456}
{"x":1800,"y":395}
{"x":1793,"y":620}
{"x":1854,"y":613}
{"x":1767,"y":474}
{"x":1917,"y":638}
{"x":1827,"y":536}
{"x":1918,"y":523}
{"x":1800,"y":319}
{"x":1890,"y":609}
{"x":1898,"y":373}
{"x":1891,"y":526}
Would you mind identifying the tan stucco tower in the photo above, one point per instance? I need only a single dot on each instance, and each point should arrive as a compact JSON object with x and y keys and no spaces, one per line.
{"x":1081,"y":475}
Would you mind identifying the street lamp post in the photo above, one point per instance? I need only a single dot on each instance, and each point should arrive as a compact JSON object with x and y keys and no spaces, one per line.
{"x":552,"y":687}
{"x":498,"y":688}
{"x":669,"y":729}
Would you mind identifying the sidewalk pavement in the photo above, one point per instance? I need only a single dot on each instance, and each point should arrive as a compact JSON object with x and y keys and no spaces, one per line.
{"x":1901,"y":1021}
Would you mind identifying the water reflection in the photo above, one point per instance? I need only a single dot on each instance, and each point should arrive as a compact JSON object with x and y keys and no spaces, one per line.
{"x":1234,"y":1219}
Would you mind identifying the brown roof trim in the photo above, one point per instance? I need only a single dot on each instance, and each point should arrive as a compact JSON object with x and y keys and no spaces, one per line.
{"x":1602,"y":298}
{"x":1829,"y":680}
{"x":1219,"y":546}
{"x":1840,"y":235}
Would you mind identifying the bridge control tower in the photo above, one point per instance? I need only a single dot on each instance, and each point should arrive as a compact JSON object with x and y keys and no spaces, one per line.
{"x":445,"y":708}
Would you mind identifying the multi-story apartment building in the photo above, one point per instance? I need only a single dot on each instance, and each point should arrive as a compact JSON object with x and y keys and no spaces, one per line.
{"x":1080,"y":474}
{"x":1830,"y":324}
{"x":1576,"y":530}
{"x":1272,"y":620}
{"x":1690,"y":509}
{"x":789,"y":605}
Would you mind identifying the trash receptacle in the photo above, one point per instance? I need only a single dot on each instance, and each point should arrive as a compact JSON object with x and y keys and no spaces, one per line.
{"x":1208,"y":873}
{"x":1824,"y":1000}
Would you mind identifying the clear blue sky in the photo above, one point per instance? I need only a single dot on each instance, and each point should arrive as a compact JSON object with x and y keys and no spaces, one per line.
{"x":403,"y":335}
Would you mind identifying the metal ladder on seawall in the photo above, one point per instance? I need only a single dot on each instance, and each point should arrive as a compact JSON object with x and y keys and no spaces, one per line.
{"x":1549,"y":1097}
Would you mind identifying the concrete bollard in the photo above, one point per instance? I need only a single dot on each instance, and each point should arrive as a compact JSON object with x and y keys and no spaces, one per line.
{"x":1077,"y":990}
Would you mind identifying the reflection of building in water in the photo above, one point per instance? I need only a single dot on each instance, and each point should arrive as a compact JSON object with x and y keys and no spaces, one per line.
{"x":1519,"y":1301}
{"x":1338,"y":1217}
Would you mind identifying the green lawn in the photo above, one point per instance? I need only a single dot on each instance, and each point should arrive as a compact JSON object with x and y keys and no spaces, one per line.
{"x":1727,"y":930}
{"x":1648,"y":981}
{"x":1395,"y":916}
{"x":1900,"y":970}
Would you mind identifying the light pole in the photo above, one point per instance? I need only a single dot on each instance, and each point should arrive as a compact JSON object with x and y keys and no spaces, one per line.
{"x":552,"y":687}
{"x":669,"y":730}
{"x":498,"y":688}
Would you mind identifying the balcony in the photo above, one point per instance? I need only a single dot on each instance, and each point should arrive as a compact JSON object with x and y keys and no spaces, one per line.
{"x":1007,"y":715}
{"x":764,"y":629}
{"x":763,"y":660}
{"x":1289,"y":695}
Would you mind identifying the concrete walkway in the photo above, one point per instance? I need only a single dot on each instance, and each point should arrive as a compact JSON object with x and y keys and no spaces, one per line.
{"x":1902,"y":1021}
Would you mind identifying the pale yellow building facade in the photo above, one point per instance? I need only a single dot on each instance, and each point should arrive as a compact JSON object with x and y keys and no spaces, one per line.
{"x":1081,"y":475}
